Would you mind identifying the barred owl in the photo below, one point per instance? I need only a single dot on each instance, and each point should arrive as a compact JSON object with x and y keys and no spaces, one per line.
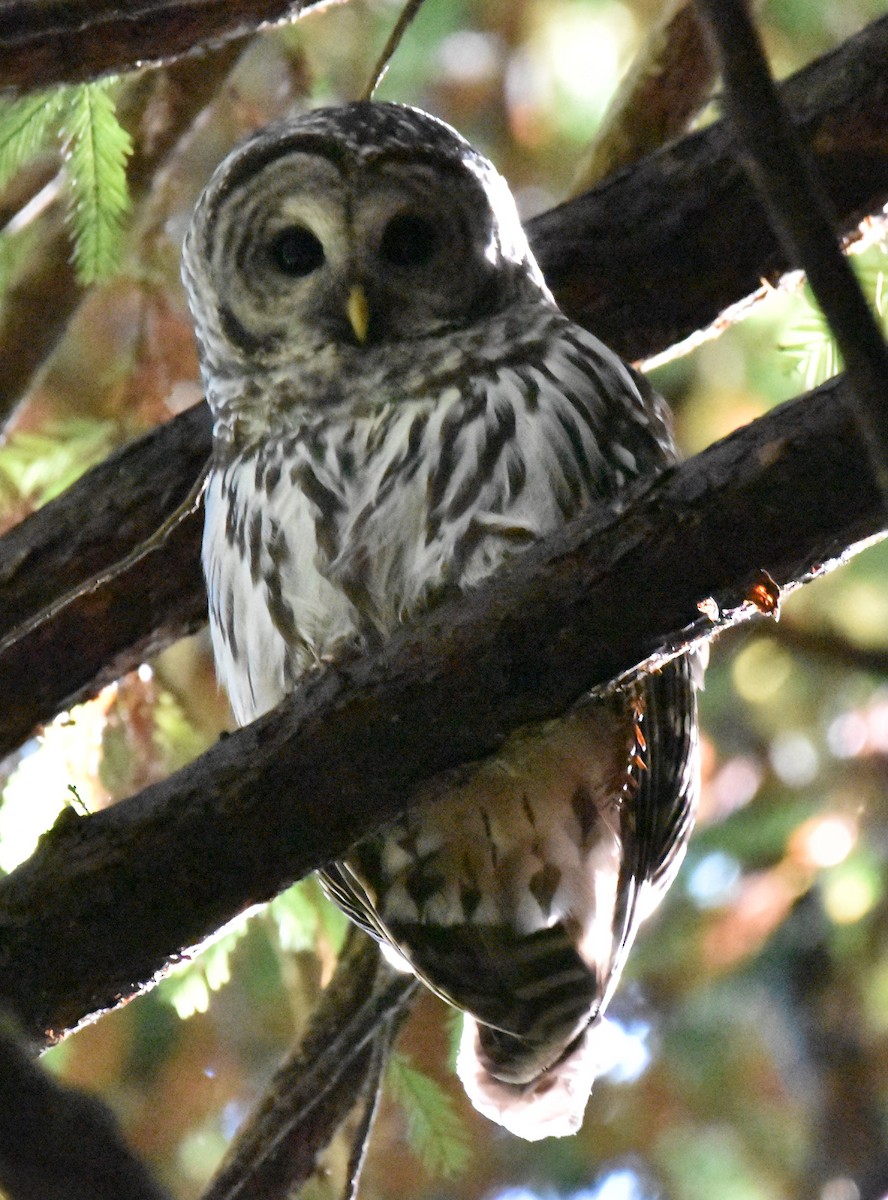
{"x":400,"y":407}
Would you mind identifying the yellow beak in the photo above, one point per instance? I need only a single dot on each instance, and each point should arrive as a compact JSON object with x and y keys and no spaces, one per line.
{"x":358,"y":312}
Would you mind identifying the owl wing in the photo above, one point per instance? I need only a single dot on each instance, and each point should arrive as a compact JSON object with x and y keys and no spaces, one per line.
{"x":656,"y":824}
{"x":634,"y":438}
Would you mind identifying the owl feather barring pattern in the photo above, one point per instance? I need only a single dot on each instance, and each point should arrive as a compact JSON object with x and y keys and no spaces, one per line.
{"x":400,"y":407}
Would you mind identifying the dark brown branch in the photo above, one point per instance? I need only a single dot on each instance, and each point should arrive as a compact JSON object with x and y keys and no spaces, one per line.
{"x":317,"y":1086}
{"x":57,"y":1143}
{"x":666,"y":86}
{"x":783,"y":171}
{"x":102,"y":631}
{"x":662,"y":250}
{"x":833,"y":648}
{"x":43,"y":42}
{"x":102,"y":904}
{"x":643,"y":260}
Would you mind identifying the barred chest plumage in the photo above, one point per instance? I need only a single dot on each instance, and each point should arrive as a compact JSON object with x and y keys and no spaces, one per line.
{"x":330,"y":530}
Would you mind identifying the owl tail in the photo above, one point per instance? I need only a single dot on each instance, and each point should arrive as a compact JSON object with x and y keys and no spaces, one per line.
{"x":549,"y":1104}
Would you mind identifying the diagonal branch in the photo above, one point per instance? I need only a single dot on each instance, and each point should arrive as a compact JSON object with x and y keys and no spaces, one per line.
{"x":783,"y":171}
{"x":667,"y":84}
{"x":44,"y":42}
{"x":57,"y":1143}
{"x":336,"y":1067}
{"x":107,"y":900}
{"x":643,"y":260}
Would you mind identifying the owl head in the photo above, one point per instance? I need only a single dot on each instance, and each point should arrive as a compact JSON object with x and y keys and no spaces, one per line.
{"x":334,"y":235}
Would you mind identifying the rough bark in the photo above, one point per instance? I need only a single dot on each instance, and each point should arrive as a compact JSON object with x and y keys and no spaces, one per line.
{"x":662,"y":249}
{"x":643,"y":260}
{"x":44,"y":42}
{"x":99,"y":909}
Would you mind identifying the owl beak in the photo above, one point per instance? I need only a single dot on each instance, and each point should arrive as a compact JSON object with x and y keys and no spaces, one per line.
{"x":358,"y":311}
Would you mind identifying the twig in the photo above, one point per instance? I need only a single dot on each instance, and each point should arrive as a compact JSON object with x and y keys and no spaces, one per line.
{"x":57,"y":1143}
{"x":801,"y":213}
{"x":405,"y":17}
{"x":829,"y":645}
{"x":335,"y":1069}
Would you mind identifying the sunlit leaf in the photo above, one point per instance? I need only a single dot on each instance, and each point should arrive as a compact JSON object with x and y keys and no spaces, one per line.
{"x":39,"y":465}
{"x":189,"y":987}
{"x":435,"y":1131}
{"x":295,"y":913}
{"x":25,"y":127}
{"x":97,"y":148}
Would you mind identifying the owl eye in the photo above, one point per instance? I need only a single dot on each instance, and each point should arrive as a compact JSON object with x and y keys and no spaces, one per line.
{"x":409,"y":241}
{"x":296,"y":251}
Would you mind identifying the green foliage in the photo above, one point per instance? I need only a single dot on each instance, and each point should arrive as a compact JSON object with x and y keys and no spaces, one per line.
{"x":189,"y":987}
{"x":37,"y":466}
{"x":174,"y":734}
{"x":97,"y":149}
{"x":303,"y":914}
{"x":296,"y":917}
{"x":809,"y":342}
{"x":435,"y":1132}
{"x":25,"y":128}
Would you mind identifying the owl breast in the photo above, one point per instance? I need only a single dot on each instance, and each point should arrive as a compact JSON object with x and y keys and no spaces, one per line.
{"x":331,"y":533}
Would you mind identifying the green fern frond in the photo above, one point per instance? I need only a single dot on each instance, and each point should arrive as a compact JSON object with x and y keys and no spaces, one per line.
{"x":435,"y":1131}
{"x":809,"y":342}
{"x":25,"y":126}
{"x":96,"y":149}
{"x":190,"y":985}
{"x":812,"y":349}
{"x":175,"y":735}
{"x":296,"y":918}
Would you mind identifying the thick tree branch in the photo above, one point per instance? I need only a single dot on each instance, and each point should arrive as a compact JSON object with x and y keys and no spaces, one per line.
{"x":643,"y":260}
{"x":106,"y":900}
{"x":57,"y":1143}
{"x":317,"y":1086}
{"x":63,"y":649}
{"x":782,"y":169}
{"x":43,"y":42}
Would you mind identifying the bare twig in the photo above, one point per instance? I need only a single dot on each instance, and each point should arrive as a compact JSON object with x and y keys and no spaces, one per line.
{"x":833,"y":648}
{"x":802,"y":214}
{"x":405,"y":18}
{"x":335,"y":1069}
{"x":57,"y":1143}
